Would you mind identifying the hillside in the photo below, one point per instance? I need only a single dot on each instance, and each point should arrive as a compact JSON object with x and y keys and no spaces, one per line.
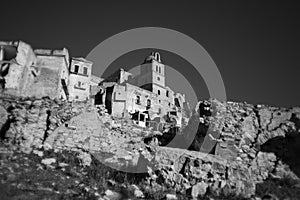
{"x":61,"y":150}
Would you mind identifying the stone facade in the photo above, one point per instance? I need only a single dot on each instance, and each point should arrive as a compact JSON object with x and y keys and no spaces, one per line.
{"x":53,"y":74}
{"x":80,"y":78}
{"x":146,"y":93}
{"x":17,"y":66}
{"x":42,"y":72}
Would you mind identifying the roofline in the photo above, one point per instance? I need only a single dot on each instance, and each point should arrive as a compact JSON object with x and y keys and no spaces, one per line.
{"x":80,"y":59}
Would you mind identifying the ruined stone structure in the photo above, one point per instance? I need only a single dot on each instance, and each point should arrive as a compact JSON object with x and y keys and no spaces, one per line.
{"x":80,"y":78}
{"x":17,"y":66}
{"x":145,"y":95}
{"x":53,"y":73}
{"x":232,"y":147}
{"x":235,"y":167}
{"x":42,"y":72}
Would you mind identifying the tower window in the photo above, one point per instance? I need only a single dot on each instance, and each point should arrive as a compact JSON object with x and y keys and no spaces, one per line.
{"x":79,"y":83}
{"x":76,"y":68}
{"x":158,"y":92}
{"x":156,"y":68}
{"x":167,"y":93}
{"x":85,"y":71}
{"x":158,"y":78}
{"x":159,"y":71}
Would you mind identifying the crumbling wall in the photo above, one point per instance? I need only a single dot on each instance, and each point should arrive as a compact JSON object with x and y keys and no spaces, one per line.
{"x":80,"y":78}
{"x":48,"y":82}
{"x":21,"y":71}
{"x":30,"y":121}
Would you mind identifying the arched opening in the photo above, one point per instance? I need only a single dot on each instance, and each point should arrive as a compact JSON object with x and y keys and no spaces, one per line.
{"x":157,"y":57}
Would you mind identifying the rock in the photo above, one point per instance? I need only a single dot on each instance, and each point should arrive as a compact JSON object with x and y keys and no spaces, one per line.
{"x":37,"y":152}
{"x":137,"y":192}
{"x":85,"y":158}
{"x":63,"y":164}
{"x":171,"y":197}
{"x":47,"y":146}
{"x":11,"y":177}
{"x":237,"y":162}
{"x":48,"y":161}
{"x":111,"y":195}
{"x":199,"y":189}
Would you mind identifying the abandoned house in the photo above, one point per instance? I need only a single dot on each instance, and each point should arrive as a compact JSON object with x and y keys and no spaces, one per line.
{"x":43,"y":72}
{"x":17,"y":67}
{"x":80,"y":78}
{"x":143,"y":97}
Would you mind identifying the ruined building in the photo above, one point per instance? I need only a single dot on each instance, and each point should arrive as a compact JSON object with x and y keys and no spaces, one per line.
{"x":43,"y":72}
{"x":53,"y":73}
{"x":80,"y":78}
{"x":144,"y":96}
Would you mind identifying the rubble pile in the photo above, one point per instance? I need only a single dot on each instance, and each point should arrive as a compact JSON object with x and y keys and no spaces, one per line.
{"x":28,"y":122}
{"x":236,"y":132}
{"x":188,"y":171}
{"x":229,"y":139}
{"x":243,"y":129}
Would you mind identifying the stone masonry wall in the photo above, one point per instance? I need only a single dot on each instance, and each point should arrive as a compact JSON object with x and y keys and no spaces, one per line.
{"x":31,"y":121}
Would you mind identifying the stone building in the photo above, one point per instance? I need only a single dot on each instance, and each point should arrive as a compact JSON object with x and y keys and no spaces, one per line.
{"x":44,"y":73}
{"x":95,"y":80}
{"x":17,"y":67}
{"x":144,"y":96}
{"x":53,"y":66}
{"x":54,"y":74}
{"x":80,"y":78}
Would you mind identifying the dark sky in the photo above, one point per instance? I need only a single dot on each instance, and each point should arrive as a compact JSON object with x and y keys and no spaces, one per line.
{"x":255,"y":44}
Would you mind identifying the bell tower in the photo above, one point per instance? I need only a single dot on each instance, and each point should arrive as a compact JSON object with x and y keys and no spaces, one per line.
{"x":152,"y":76}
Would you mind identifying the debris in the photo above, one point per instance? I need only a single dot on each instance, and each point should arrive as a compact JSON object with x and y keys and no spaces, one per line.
{"x":171,"y":197}
{"x":137,"y":192}
{"x":39,"y":153}
{"x":199,"y":189}
{"x":48,"y":161}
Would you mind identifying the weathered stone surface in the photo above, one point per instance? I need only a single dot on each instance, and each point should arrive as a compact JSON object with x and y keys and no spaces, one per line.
{"x":238,"y":130}
{"x":33,"y":120}
{"x":171,"y":197}
{"x":242,"y":128}
{"x":199,"y":189}
{"x":3,"y":117}
{"x":48,"y":161}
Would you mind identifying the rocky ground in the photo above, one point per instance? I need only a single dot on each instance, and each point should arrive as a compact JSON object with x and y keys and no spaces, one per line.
{"x":59,"y":150}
